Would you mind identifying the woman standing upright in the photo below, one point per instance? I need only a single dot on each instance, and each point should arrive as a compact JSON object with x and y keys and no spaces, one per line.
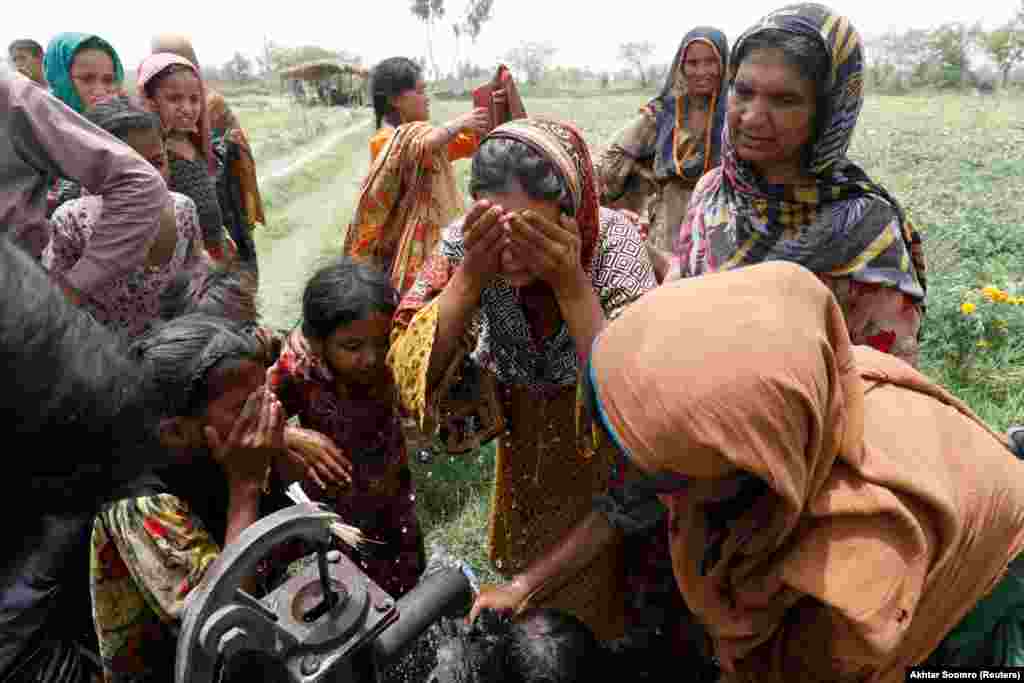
{"x":674,"y":140}
{"x":409,"y":193}
{"x":786,"y":189}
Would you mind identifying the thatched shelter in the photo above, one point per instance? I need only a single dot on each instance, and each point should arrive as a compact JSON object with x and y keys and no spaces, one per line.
{"x":335,"y":82}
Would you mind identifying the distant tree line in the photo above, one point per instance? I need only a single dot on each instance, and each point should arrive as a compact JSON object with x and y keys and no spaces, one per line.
{"x":954,"y":55}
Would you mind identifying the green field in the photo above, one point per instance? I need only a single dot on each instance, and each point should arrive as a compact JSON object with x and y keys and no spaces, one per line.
{"x":956,"y":163}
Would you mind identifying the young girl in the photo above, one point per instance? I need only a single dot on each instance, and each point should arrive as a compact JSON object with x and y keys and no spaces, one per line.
{"x":128,"y":304}
{"x":171,"y":88}
{"x":332,"y":374}
{"x":409,"y":193}
{"x":152,"y":546}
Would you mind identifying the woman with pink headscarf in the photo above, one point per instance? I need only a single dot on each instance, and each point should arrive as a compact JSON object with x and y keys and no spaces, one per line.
{"x":171,"y":87}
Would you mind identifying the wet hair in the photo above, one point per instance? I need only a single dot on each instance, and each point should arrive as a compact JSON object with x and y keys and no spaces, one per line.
{"x":74,"y":394}
{"x":26,"y":44}
{"x":224,"y":292}
{"x":154,"y":83}
{"x":184,"y":354}
{"x":391,"y":78}
{"x":499,"y":160}
{"x":809,"y":58}
{"x":538,"y":646}
{"x":343,"y":292}
{"x":118,"y":115}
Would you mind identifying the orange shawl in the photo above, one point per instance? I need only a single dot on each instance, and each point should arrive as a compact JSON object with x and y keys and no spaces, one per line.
{"x":406,"y":198}
{"x":889,"y":511}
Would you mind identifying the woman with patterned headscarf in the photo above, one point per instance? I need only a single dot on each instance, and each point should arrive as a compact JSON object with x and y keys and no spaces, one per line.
{"x":787,"y":191}
{"x":489,"y":340}
{"x":674,"y":140}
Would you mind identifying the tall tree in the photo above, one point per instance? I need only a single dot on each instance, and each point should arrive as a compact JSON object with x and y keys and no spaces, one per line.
{"x":429,"y":11}
{"x":637,"y":54}
{"x":532,"y":59}
{"x":951,"y":45}
{"x":1005,"y":45}
{"x":478,"y":13}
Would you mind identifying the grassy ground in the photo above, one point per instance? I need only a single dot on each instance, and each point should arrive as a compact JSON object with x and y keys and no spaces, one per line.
{"x":955,"y":162}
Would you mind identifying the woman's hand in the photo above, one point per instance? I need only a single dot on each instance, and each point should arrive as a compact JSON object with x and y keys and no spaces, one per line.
{"x":551,"y":251}
{"x":477,"y":121}
{"x":311,"y":455}
{"x":255,"y":439}
{"x":483,"y":238}
{"x":505,"y":598}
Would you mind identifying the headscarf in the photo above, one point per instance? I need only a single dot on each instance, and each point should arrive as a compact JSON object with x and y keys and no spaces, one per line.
{"x":151,"y":67}
{"x":856,"y":482}
{"x":844,"y":225}
{"x":60,"y":54}
{"x":176,"y":44}
{"x":671,"y":157}
{"x":504,"y":344}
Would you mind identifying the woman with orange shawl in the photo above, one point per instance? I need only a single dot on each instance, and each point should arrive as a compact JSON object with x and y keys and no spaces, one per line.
{"x":409,"y":193}
{"x":489,"y":340}
{"x":836,"y":514}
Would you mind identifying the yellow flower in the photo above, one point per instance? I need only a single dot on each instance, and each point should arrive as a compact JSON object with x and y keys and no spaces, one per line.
{"x":983,"y":344}
{"x":967,"y":308}
{"x":990,"y":292}
{"x":1002,"y":297}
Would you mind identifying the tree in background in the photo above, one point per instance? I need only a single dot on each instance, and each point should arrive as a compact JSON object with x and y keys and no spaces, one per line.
{"x":637,"y":54}
{"x":951,"y":46}
{"x":238,"y":69}
{"x":478,"y":13}
{"x":532,"y":59}
{"x":1005,"y":45}
{"x":429,"y":11}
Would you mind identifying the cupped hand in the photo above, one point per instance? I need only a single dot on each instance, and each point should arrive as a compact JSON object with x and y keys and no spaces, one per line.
{"x":256,"y":437}
{"x":483,"y":239}
{"x":551,"y":251}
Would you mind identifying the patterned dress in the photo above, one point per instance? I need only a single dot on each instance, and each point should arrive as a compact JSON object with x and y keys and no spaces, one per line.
{"x":382,"y":500}
{"x":147,"y":555}
{"x":128,"y":304}
{"x":505,"y":383}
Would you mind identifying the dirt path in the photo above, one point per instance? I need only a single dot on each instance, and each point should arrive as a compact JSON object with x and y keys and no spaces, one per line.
{"x":318,"y":216}
{"x":281,"y":168}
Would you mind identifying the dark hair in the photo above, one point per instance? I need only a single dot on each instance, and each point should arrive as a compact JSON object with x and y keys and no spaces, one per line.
{"x":184,"y":352}
{"x":118,"y":115}
{"x":25,"y":44}
{"x":499,"y":160}
{"x":539,"y":646}
{"x":389,"y":79}
{"x":74,"y":395}
{"x":341,"y":293}
{"x":809,"y":58}
{"x":549,"y":646}
{"x":153,"y":84}
{"x":223,"y":292}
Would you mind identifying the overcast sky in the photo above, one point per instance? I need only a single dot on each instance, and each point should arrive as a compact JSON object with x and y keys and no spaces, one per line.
{"x":584,"y":34}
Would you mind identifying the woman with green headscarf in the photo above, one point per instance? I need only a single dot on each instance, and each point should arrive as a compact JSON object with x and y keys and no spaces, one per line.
{"x":82,"y":69}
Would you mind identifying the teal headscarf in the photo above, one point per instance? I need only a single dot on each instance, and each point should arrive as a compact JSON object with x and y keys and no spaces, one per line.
{"x":57,"y":63}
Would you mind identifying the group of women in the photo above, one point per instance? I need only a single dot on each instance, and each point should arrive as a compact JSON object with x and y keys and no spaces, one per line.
{"x":189,"y":135}
{"x":711,"y":443}
{"x":741,"y":464}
